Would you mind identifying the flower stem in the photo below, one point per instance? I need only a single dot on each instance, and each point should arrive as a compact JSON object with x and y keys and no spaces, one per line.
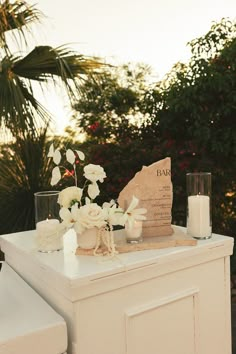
{"x":76,"y":181}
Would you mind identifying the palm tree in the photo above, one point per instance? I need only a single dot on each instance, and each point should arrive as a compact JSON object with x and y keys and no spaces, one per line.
{"x":24,"y":167}
{"x":24,"y":170}
{"x":20,"y":111}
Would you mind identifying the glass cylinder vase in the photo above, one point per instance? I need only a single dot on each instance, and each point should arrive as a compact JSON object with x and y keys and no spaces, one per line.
{"x":199,"y":224}
{"x":134,"y":231}
{"x":49,"y":231}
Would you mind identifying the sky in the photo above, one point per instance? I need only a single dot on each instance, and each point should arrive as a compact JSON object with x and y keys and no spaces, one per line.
{"x":155,"y":32}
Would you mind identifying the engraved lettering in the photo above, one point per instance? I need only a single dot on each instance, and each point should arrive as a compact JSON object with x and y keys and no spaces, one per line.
{"x":166,"y":172}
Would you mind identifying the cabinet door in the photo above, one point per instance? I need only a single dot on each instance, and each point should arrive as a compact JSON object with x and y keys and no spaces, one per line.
{"x":183,"y":312}
{"x":168,"y":325}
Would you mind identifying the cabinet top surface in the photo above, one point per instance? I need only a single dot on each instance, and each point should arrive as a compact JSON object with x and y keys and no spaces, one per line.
{"x":67,"y":265}
{"x":37,"y":315}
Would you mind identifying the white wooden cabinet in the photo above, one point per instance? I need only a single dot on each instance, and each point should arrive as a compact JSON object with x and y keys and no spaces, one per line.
{"x":168,"y":301}
{"x":26,"y":319}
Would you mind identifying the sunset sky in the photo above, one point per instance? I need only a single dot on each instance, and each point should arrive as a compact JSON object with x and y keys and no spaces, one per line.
{"x":154,"y":32}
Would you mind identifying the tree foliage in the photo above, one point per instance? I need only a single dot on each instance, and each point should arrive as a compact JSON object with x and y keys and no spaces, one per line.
{"x":190,"y":116}
{"x":23,"y":165}
{"x":20,"y":111}
{"x":195,"y":110}
{"x":198,"y":102}
{"x":24,"y":170}
{"x":110,"y":109}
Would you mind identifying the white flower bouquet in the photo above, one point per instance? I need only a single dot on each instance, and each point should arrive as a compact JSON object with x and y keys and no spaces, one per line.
{"x":78,"y":209}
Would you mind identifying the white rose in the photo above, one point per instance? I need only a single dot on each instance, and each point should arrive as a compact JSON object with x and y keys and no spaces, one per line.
{"x":69,"y":194}
{"x":90,"y":215}
{"x":94,"y":173}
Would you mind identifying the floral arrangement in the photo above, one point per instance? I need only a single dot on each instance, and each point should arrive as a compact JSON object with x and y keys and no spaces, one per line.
{"x":78,"y":209}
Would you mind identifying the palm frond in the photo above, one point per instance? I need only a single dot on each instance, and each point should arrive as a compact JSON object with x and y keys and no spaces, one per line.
{"x":45,"y":64}
{"x":17,"y":15}
{"x":19,"y":109}
{"x":24,"y":170}
{"x":44,"y":61}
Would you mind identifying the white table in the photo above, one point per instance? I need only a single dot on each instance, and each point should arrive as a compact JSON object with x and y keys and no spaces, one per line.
{"x":168,"y":301}
{"x":27,"y":323}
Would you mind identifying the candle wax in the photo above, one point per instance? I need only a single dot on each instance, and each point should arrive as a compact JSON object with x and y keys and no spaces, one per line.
{"x":48,"y":235}
{"x":199,"y":223}
{"x":47,"y":226}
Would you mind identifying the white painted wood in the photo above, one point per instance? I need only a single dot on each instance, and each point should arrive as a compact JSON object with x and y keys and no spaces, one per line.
{"x":146,"y":326}
{"x":167,"y":301}
{"x":27,"y":323}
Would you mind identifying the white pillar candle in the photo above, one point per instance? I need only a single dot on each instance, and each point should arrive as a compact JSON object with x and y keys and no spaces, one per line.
{"x":199,"y":223}
{"x":49,"y":235}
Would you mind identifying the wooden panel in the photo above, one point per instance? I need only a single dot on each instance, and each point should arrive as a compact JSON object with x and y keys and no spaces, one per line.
{"x":108,"y":306}
{"x":163,"y":315}
{"x":169,"y":324}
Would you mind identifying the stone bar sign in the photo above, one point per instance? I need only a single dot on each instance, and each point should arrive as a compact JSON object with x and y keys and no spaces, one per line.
{"x":153,"y":187}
